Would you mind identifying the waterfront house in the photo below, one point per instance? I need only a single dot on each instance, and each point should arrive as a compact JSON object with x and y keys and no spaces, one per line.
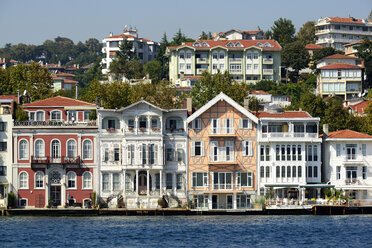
{"x":54,"y":158}
{"x":289,"y":157}
{"x":222,"y":155}
{"x":348,"y":163}
{"x":142,"y":155}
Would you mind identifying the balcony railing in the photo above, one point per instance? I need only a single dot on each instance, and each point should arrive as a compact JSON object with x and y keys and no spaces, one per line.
{"x":55,"y":160}
{"x":268,"y":71}
{"x":222,"y":131}
{"x":289,"y":135}
{"x":54,"y":124}
{"x":222,"y":158}
{"x":268,"y":60}
{"x":175,"y":130}
{"x":226,"y":186}
{"x":201,"y":60}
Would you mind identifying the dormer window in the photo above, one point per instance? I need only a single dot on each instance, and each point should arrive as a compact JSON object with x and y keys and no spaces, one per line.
{"x":259,"y":44}
{"x":230,"y":44}
{"x":196,"y":44}
{"x":205,"y":44}
{"x":238,"y":44}
{"x":266,"y":44}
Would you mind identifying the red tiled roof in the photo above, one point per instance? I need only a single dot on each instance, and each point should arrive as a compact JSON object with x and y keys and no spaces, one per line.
{"x":313,"y":47}
{"x":252,"y":32}
{"x":70,"y":81}
{"x":360,"y":107}
{"x":124,"y":36}
{"x":146,"y":39}
{"x":285,"y":114}
{"x":338,"y":56}
{"x":58,"y":101}
{"x":259,"y":92}
{"x":338,"y":66}
{"x":353,"y":43}
{"x":345,"y":20}
{"x":223,"y":43}
{"x":193,"y":77}
{"x":12,"y":97}
{"x":13,"y":61}
{"x":348,"y":134}
{"x":64,"y":74}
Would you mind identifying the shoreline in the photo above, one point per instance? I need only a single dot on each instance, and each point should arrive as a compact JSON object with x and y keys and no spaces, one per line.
{"x":315,"y":210}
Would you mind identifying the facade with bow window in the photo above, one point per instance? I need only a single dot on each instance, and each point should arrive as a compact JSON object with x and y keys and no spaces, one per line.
{"x":142,"y":155}
{"x":222,"y":155}
{"x":54,"y":158}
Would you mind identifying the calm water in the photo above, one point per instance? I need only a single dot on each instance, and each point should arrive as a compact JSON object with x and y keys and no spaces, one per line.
{"x":195,"y":231}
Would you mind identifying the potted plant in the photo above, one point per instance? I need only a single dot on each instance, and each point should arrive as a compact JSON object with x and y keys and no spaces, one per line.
{"x":142,"y":129}
{"x":11,"y":199}
{"x":259,"y":202}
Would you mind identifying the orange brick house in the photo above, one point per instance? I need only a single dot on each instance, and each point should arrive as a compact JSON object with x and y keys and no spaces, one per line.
{"x":222,"y":155}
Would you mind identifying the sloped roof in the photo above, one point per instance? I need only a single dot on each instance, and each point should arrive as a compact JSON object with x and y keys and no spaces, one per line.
{"x":222,"y":43}
{"x":58,"y":101}
{"x":11,"y":97}
{"x":337,"y":66}
{"x":259,"y":92}
{"x":345,"y":20}
{"x":285,"y":114}
{"x":348,"y":134}
{"x":339,"y":56}
{"x":313,"y":47}
{"x":217,"y":98}
{"x":360,"y":107}
{"x":353,"y":43}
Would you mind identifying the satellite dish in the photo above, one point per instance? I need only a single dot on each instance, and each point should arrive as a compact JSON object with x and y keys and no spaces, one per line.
{"x":25,"y":92}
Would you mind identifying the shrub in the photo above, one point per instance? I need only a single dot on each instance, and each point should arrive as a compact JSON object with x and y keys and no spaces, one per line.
{"x":11,"y":199}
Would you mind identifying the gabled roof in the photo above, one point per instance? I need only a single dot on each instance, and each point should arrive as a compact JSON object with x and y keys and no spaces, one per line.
{"x":274,"y":45}
{"x":348,"y":134}
{"x":338,"y":66}
{"x":285,"y":114}
{"x":140,"y":102}
{"x":221,"y":97}
{"x":313,"y":47}
{"x":58,"y":101}
{"x":339,"y":56}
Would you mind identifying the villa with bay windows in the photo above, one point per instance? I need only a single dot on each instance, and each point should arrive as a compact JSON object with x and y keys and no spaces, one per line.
{"x":54,"y":160}
{"x":142,"y":155}
{"x":222,"y":155}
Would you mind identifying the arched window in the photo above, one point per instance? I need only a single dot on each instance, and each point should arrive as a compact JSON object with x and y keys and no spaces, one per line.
{"x":23,"y":149}
{"x":87,"y":180}
{"x":56,"y":149}
{"x":71,"y":148}
{"x":55,"y":115}
{"x":39,"y":180}
{"x":23,"y":180}
{"x":39,"y":148}
{"x":71,"y":180}
{"x":87,"y":149}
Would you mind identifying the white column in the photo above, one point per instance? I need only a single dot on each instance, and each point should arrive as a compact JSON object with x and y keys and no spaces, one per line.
{"x":136,"y":124}
{"x":148,"y":183}
{"x":46,"y":187}
{"x":210,"y":201}
{"x":174,"y":183}
{"x":137,"y":182}
{"x":79,"y":145}
{"x":161,"y":124}
{"x":161,"y":182}
{"x":148,"y":124}
{"x":124,"y":182}
{"x":318,"y":193}
{"x":234,"y":201}
{"x":31,"y":145}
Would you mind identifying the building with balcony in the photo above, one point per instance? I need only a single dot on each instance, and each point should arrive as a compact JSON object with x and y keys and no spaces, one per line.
{"x":236,"y":34}
{"x":336,"y":32}
{"x":7,"y":104}
{"x":289,"y":157}
{"x":143,"y":155}
{"x":64,"y":81}
{"x":222,"y":155}
{"x":145,"y":49}
{"x":340,"y":79}
{"x":352,"y":48}
{"x":267,"y":100}
{"x":246,"y":60}
{"x":348,"y":163}
{"x":54,"y":158}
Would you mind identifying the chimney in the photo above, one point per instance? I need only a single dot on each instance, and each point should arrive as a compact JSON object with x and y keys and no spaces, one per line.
{"x":246,"y":103}
{"x":110,"y":34}
{"x":325,"y":128}
{"x":189,"y":105}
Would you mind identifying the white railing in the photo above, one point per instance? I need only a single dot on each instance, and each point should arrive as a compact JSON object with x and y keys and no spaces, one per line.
{"x":201,"y":60}
{"x":268,"y":71}
{"x":222,"y":158}
{"x":289,"y":135}
{"x":235,"y":59}
{"x":268,"y":60}
{"x":223,"y":130}
{"x":226,"y":186}
{"x":200,"y":71}
{"x":53,"y":123}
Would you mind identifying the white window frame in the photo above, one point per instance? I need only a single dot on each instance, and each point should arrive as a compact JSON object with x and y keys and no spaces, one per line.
{"x":247,"y":144}
{"x":249,"y":177}
{"x":249,"y":125}
{"x":68,"y":148}
{"x":39,"y":152}
{"x":40,"y":111}
{"x":73,"y":179}
{"x":42,"y":180}
{"x":53,"y":112}
{"x":108,"y":182}
{"x":23,"y":155}
{"x":193,"y":146}
{"x":26,"y":181}
{"x":52,"y":148}
{"x":87,"y":154}
{"x":196,"y":124}
{"x":204,"y":180}
{"x":85,"y":180}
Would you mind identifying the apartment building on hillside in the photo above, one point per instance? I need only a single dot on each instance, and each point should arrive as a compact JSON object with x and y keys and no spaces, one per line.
{"x":246,"y":60}
{"x":336,"y":32}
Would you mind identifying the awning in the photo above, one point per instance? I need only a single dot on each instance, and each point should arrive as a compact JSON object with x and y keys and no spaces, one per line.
{"x":318,"y":186}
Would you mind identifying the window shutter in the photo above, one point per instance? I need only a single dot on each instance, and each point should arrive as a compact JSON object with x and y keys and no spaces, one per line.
{"x":250,"y":150}
{"x":155,"y":154}
{"x":148,"y":148}
{"x":219,"y":125}
{"x":193,"y":148}
{"x":222,"y":153}
{"x":211,"y":149}
{"x":249,"y":124}
{"x":202,"y":148}
{"x":244,"y":148}
{"x":139,"y":161}
{"x":111,"y":154}
{"x":240,"y":123}
{"x":232,"y":151}
{"x":193,"y":124}
{"x":211,"y":125}
{"x":232,"y":123}
{"x":103,"y":154}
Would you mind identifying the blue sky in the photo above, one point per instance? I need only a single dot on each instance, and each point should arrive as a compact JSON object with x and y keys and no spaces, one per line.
{"x":34,"y":21}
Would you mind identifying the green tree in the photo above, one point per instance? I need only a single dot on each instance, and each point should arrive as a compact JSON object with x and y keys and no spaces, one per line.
{"x":283,"y":31}
{"x":154,"y":69}
{"x":295,"y":55}
{"x":306,"y":34}
{"x":210,"y":86}
{"x":365,"y":53}
{"x":314,"y":105}
{"x":162,"y":58}
{"x":118,"y":67}
{"x":370,"y":15}
{"x":335,"y":115}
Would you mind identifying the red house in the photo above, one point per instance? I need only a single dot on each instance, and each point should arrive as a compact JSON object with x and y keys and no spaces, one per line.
{"x":54,"y":158}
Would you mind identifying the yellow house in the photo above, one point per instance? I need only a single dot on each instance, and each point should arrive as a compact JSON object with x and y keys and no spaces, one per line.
{"x":222,"y":155}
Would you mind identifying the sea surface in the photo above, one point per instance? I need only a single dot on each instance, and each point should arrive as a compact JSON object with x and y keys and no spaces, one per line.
{"x":187,"y":231}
